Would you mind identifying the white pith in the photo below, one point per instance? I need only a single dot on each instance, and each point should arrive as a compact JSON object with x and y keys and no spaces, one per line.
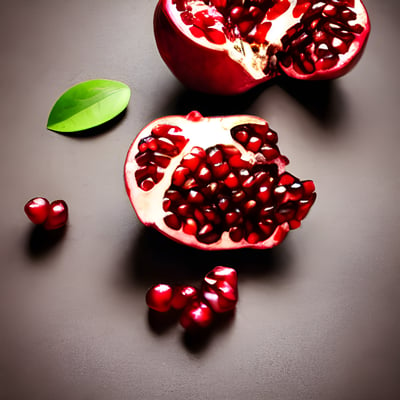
{"x":256,"y":63}
{"x":204,"y":133}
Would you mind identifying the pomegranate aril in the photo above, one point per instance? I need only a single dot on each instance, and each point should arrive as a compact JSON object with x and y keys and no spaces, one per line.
{"x":254,"y":144}
{"x":236,"y":233}
{"x":221,"y":170}
{"x":196,"y":315}
{"x":58,"y":215}
{"x":270,"y":152}
{"x":215,"y":156}
{"x":191,"y":161}
{"x":190,"y":183}
{"x":190,"y":226}
{"x":37,"y":210}
{"x":184,"y":210}
{"x":179,"y":175}
{"x":161,"y":160}
{"x":159,"y":297}
{"x":231,"y":181}
{"x":195,"y":197}
{"x":204,"y":174}
{"x":172,"y":221}
{"x":220,"y":289}
{"x":241,"y":136}
{"x":182,"y":296}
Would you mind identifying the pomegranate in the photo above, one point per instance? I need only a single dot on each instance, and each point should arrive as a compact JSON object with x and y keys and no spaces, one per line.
{"x":215,"y":183}
{"x":229,"y":46}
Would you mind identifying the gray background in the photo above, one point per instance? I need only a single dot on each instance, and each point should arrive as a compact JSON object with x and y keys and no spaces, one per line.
{"x":318,"y":316}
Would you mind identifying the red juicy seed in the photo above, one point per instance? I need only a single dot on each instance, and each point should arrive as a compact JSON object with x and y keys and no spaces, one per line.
{"x":194,"y":116}
{"x":230,"y":151}
{"x":270,"y":152}
{"x":254,"y":144}
{"x":173,"y":195}
{"x":179,"y":175}
{"x":37,"y":210}
{"x":327,"y":62}
{"x":190,"y":161}
{"x":308,"y":187}
{"x":190,"y":226}
{"x":243,"y":174}
{"x":173,"y":221}
{"x":182,"y":296}
{"x":215,"y":156}
{"x":166,"y":146}
{"x":166,"y":204}
{"x":195,"y":197}
{"x":285,"y":212}
{"x":300,"y":9}
{"x":143,"y":159}
{"x":249,"y":206}
{"x":245,"y":27}
{"x":304,"y":207}
{"x":221,"y":170}
{"x":199,"y":217}
{"x":211,"y":189}
{"x":263,"y":194}
{"x":238,"y":196}
{"x":184,"y":210}
{"x":204,"y":174}
{"x":165,"y":130}
{"x":231,"y":218}
{"x":190,"y":183}
{"x":58,"y":215}
{"x":237,"y":162}
{"x":261,"y":32}
{"x":196,"y":32}
{"x":286,"y":179}
{"x":231,"y":181}
{"x":249,"y":182}
{"x":215,"y":36}
{"x":236,"y":234}
{"x":278,"y":9}
{"x":242,"y":136}
{"x":161,"y":159}
{"x":260,"y":129}
{"x":147,"y":184}
{"x":260,"y":177}
{"x":280,"y":194}
{"x":211,"y":215}
{"x":253,"y":238}
{"x":294,"y":224}
{"x":295,"y":191}
{"x":197,"y":315}
{"x":198,"y":152}
{"x":206,"y":230}
{"x":236,"y":13}
{"x":223,"y":204}
{"x":159,"y":297}
{"x":267,"y":227}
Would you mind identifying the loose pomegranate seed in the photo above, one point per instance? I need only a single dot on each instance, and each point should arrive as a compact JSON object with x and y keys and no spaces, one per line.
{"x":220,"y":289}
{"x":58,"y":215}
{"x":196,"y":315}
{"x":159,"y":297}
{"x":182,"y":296}
{"x":37,"y":210}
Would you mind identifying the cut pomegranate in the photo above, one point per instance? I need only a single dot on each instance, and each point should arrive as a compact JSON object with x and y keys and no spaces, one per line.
{"x":219,"y":289}
{"x":215,"y":183}
{"x":159,"y":297}
{"x":37,"y":210}
{"x":230,"y":46}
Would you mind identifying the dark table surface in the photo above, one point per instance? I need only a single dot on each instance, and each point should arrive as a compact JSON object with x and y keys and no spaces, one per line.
{"x":318,"y":316}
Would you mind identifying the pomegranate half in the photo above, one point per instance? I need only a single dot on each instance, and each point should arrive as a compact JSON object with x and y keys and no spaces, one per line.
{"x":229,"y":46}
{"x":215,"y":183}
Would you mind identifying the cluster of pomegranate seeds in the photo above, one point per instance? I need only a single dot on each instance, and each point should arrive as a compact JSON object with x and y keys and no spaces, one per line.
{"x":216,"y":190}
{"x":50,"y":216}
{"x":326,"y":31}
{"x":155,"y":152}
{"x":218,"y":294}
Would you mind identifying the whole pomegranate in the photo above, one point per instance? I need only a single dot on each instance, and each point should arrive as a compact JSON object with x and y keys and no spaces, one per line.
{"x":215,"y":183}
{"x":229,"y":46}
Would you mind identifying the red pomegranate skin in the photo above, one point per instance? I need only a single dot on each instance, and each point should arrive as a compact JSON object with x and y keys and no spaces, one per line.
{"x":229,"y":47}
{"x":215,"y":183}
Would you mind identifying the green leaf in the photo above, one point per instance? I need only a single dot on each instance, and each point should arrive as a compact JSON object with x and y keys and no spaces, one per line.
{"x":88,"y":104}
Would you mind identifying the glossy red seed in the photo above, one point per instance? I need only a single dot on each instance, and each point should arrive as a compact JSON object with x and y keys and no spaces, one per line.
{"x":182,"y":296}
{"x":37,"y":210}
{"x":220,"y":289}
{"x":196,"y":315}
{"x":159,"y":297}
{"x":58,"y":215}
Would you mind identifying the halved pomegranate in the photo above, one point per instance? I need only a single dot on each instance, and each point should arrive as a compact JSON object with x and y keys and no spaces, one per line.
{"x":229,"y":46}
{"x":215,"y":183}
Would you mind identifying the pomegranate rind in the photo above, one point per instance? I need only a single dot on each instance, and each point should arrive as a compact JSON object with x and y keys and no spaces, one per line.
{"x":204,"y":133}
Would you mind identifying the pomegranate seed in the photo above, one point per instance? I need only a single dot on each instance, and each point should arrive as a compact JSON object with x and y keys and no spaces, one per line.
{"x":196,"y":315}
{"x":190,"y":161}
{"x":37,"y":210}
{"x":159,"y":297}
{"x":182,"y":296}
{"x":220,"y":289}
{"x":173,"y":222}
{"x":190,"y":226}
{"x":58,"y":215}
